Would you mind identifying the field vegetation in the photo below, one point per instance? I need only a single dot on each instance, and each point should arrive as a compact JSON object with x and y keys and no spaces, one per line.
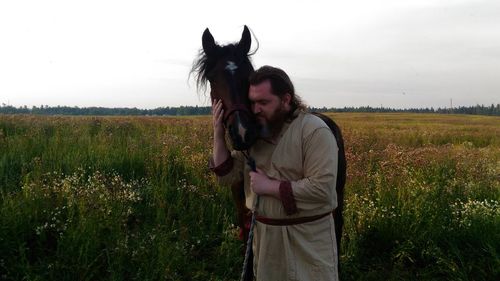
{"x":131,"y":198}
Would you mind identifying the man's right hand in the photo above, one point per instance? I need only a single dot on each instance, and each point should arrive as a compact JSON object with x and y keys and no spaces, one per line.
{"x":220,"y":150}
{"x":217,"y":117}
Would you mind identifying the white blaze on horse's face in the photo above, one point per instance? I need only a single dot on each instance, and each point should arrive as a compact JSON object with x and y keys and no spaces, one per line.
{"x":242,"y":131}
{"x":231,"y":66}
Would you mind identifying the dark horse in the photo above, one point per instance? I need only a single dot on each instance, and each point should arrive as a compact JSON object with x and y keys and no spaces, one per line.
{"x":227,"y":69}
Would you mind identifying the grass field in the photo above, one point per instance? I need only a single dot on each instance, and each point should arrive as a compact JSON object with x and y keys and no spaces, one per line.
{"x":131,"y":198}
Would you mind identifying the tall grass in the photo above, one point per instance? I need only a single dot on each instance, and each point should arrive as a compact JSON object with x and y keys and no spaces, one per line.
{"x":131,"y":198}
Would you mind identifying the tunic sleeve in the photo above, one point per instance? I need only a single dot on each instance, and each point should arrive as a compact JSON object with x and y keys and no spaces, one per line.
{"x":317,"y":189}
{"x":229,"y":171}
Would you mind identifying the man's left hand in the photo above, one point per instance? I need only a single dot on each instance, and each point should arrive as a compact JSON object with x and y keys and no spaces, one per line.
{"x":261,"y":184}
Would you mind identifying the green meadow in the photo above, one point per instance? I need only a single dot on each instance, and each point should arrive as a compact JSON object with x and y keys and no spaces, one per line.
{"x":131,"y":198}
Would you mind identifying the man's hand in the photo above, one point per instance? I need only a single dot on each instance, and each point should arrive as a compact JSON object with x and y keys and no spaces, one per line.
{"x":217,"y":117}
{"x":261,"y":184}
{"x":221,"y":153}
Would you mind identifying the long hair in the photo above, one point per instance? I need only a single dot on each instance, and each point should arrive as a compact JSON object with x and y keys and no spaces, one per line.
{"x":202,"y":65}
{"x":281,"y":84}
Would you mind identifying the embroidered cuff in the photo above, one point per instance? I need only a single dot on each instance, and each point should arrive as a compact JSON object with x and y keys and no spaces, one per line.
{"x":223,"y":169}
{"x":287,"y":199}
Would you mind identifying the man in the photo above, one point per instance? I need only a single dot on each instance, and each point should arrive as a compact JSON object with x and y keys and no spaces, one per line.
{"x":296,"y":159}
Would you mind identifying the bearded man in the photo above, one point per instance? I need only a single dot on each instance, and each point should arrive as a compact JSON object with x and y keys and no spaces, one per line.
{"x":296,"y":158}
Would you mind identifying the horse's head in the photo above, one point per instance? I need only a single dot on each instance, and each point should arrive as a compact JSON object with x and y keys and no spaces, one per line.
{"x":227,"y":69}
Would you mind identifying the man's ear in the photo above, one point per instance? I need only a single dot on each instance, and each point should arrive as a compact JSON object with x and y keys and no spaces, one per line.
{"x":287,"y":99}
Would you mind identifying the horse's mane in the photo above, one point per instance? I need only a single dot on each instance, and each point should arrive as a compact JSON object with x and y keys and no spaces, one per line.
{"x":203,"y":64}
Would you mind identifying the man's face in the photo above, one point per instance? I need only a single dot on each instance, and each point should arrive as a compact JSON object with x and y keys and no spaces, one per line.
{"x":269,"y":109}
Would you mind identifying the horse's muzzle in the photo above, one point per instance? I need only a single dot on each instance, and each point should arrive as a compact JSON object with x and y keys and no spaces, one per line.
{"x":243,"y":131}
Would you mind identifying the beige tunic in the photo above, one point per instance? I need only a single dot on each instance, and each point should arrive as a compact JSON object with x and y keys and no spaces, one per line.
{"x":306,"y":154}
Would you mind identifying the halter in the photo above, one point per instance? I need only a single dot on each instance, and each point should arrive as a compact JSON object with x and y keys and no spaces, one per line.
{"x":233,"y":109}
{"x":237,"y":104}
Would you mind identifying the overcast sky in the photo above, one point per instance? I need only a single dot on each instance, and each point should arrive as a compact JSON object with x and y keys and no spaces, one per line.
{"x":395,"y":53}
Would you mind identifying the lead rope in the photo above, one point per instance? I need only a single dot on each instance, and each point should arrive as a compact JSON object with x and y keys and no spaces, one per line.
{"x":244,"y":272}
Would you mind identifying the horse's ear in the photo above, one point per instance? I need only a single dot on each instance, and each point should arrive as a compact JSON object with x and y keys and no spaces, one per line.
{"x":245,"y":41}
{"x":208,"y":42}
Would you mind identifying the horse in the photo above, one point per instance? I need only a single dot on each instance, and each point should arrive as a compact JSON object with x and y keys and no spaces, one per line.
{"x":227,"y":69}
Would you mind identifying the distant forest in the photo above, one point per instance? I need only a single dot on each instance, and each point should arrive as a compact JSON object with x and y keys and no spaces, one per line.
{"x":205,"y":110}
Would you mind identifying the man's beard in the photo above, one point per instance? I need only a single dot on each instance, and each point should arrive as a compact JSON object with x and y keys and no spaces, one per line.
{"x":272,"y":126}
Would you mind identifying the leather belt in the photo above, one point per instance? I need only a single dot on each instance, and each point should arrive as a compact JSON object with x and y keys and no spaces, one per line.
{"x":290,"y":221}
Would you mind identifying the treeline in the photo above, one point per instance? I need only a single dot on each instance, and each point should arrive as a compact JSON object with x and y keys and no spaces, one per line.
{"x":474,"y":110}
{"x":67,"y":110}
{"x":205,"y":110}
